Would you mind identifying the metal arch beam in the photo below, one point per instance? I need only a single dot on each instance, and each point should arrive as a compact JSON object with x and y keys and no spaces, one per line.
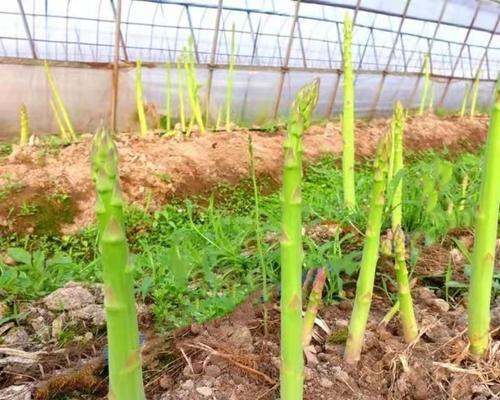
{"x":195,"y":45}
{"x":215,"y":41}
{"x":471,"y":25}
{"x":284,"y":67}
{"x":27,"y":29}
{"x":388,"y":63}
{"x":301,"y":41}
{"x":417,"y":82}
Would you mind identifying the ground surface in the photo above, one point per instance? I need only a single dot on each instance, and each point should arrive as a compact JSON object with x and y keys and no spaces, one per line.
{"x":35,"y":183}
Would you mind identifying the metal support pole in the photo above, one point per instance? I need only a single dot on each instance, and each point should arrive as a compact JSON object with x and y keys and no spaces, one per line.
{"x":284,"y":67}
{"x":331,"y":100}
{"x":27,"y":29}
{"x":301,"y":41}
{"x":212,"y":60}
{"x":389,"y":59}
{"x":445,"y":91}
{"x":116,"y":72}
{"x":191,"y":29}
{"x":417,"y":82}
{"x":122,"y":40}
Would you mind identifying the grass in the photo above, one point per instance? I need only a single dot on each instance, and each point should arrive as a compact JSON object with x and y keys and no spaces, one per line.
{"x":197,"y":259}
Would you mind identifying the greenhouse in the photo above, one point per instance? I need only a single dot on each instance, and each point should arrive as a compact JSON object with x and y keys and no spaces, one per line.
{"x":235,"y":199}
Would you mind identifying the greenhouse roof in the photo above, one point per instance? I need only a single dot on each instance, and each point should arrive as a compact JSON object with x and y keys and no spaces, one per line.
{"x":462,"y":36}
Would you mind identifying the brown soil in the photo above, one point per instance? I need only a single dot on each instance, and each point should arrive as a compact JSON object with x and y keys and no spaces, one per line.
{"x":157,"y":169}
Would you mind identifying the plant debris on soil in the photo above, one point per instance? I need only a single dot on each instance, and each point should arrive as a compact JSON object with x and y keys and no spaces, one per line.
{"x":157,"y":169}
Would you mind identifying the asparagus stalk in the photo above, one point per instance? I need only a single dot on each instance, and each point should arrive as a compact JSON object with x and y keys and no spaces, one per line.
{"x":464,"y":101}
{"x":59,"y":103}
{"x":193,"y":86}
{"x":397,"y":197}
{"x":180,"y":83}
{"x":64,"y":134}
{"x":139,"y":99}
{"x":25,"y":133}
{"x":427,"y":73}
{"x":431,"y":100}
{"x":258,"y":232}
{"x":406,"y":312}
{"x":168,"y":101}
{"x":230,"y":81}
{"x":315,"y":299}
{"x":465,"y":185}
{"x":475,"y":90}
{"x":125,"y":373}
{"x":483,"y":255}
{"x":366,"y":276}
{"x":390,"y":169}
{"x":348,"y":119}
{"x":292,"y":363}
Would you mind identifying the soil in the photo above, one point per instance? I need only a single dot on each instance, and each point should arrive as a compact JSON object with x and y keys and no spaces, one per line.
{"x":38,"y":181}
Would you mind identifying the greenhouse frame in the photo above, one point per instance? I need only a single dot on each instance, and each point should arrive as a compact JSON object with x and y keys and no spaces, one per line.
{"x":280,"y":45}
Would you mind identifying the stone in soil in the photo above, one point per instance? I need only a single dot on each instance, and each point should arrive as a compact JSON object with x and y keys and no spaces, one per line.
{"x":70,"y":297}
{"x":205,"y":391}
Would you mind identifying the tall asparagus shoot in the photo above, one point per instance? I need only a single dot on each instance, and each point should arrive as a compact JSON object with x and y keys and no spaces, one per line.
{"x":364,"y":288}
{"x":397,"y":197}
{"x":348,"y":119}
{"x":230,"y":80}
{"x":258,"y":232}
{"x":62,"y":130}
{"x":427,"y":73}
{"x":292,"y":363}
{"x":24,"y":135}
{"x":180,"y":83}
{"x":431,"y":99}
{"x":125,"y":373}
{"x":168,"y":101}
{"x":475,"y":90}
{"x":464,"y":101}
{"x":410,"y":329}
{"x":139,"y":99}
{"x":315,"y":299}
{"x":483,"y":255}
{"x":192,"y":85}
{"x":59,"y":103}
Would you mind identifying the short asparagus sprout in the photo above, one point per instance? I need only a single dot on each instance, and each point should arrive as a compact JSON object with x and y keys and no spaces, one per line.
{"x":125,"y":372}
{"x":427,"y":74}
{"x":483,"y":255}
{"x":406,"y":312}
{"x":168,"y":101}
{"x":364,"y":288}
{"x":348,"y":119}
{"x":475,"y":91}
{"x":465,"y":186}
{"x":24,"y":135}
{"x":315,"y":299}
{"x":464,"y":101}
{"x":292,"y":363}
{"x":180,"y":91}
{"x":230,"y":80}
{"x":62,"y":113}
{"x":139,"y":99}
